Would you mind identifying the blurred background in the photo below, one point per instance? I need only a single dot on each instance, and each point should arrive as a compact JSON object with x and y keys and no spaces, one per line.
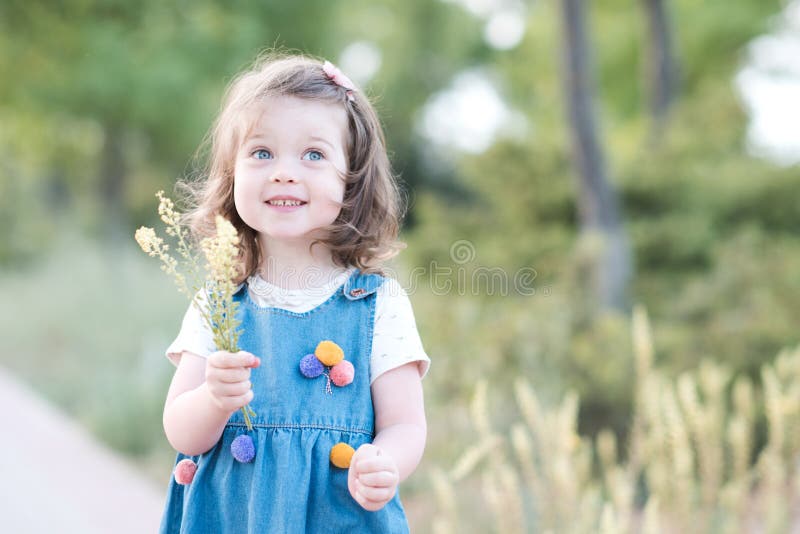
{"x":603,"y":251}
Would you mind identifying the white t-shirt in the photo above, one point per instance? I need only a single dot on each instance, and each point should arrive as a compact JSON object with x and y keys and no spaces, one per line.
{"x":395,"y":339}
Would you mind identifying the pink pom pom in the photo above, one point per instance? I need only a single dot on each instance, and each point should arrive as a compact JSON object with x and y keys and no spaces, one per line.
{"x":342,"y":373}
{"x":184,"y":471}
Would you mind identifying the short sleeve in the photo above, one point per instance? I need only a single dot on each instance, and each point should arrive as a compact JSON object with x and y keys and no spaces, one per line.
{"x":194,"y":337}
{"x":395,"y":339}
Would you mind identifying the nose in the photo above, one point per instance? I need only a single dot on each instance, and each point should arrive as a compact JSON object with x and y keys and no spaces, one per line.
{"x":282,"y":177}
{"x":284,"y":171}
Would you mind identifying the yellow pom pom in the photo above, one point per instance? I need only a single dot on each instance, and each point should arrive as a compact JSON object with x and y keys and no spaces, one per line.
{"x":329,"y":353}
{"x":341,"y":454}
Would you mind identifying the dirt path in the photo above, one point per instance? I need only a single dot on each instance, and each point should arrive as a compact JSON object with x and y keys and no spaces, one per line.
{"x":54,"y":477}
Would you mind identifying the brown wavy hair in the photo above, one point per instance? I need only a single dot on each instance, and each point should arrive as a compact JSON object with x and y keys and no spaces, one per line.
{"x":364,"y":235}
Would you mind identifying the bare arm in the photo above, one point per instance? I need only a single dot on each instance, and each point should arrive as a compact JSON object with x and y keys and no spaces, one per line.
{"x":203,"y":395}
{"x":400,"y":425}
{"x":401,"y":431}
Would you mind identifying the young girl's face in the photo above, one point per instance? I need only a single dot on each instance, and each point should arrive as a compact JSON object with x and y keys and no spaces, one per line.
{"x":287,"y":180}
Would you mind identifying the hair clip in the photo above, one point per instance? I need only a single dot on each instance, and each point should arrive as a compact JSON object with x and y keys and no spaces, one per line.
{"x":336,"y":76}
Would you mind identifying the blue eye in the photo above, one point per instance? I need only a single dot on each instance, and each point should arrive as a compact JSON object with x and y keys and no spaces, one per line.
{"x":313,"y":155}
{"x":262,"y":154}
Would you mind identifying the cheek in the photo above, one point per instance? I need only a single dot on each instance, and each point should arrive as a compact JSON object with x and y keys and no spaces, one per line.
{"x":338,"y":191}
{"x":241,"y":192}
{"x":331,"y":199}
{"x":237,"y":191}
{"x":243,"y":178}
{"x":335,"y":196}
{"x":330,"y":189}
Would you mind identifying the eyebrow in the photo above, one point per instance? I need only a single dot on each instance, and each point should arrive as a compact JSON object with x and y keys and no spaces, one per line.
{"x":254,"y":137}
{"x":260,"y":137}
{"x":321,"y":140}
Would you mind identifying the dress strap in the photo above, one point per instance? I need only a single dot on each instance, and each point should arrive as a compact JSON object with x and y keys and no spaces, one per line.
{"x":360,"y":285}
{"x":240,"y":290}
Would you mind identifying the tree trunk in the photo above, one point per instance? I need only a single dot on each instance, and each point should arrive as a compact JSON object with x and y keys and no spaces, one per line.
{"x":597,"y":203}
{"x":661,"y":69}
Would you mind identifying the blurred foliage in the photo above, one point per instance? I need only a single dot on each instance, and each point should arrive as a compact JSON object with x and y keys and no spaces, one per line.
{"x":714,"y":230}
{"x":688,"y":463}
{"x":105,"y":102}
{"x":88,"y":327}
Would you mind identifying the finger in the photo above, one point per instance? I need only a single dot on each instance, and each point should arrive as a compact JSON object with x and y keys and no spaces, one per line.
{"x":366,"y":504}
{"x":238,"y":389}
{"x":375,"y":464}
{"x":369,"y":505}
{"x":351,"y":482}
{"x":232,"y":404}
{"x":367,"y":450}
{"x":232,"y":376}
{"x":375,"y":495}
{"x":236,"y":403}
{"x":221,"y":359}
{"x":379,"y":479}
{"x":362,"y":453}
{"x":227,"y":375}
{"x":227,"y":360}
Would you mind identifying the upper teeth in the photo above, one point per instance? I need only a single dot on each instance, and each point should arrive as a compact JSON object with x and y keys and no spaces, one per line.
{"x":285,"y":202}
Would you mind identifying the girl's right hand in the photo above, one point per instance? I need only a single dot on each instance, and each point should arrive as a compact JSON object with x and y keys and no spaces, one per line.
{"x":228,"y":378}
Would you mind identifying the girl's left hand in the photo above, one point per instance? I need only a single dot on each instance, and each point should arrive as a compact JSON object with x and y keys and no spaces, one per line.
{"x":372,"y":478}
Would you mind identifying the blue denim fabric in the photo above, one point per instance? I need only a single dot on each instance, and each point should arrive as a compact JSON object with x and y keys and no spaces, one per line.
{"x":291,"y":486}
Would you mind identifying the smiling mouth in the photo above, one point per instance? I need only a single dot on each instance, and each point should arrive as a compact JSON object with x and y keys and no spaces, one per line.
{"x":286,"y":203}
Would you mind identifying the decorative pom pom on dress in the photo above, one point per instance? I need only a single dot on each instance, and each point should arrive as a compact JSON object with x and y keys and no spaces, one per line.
{"x":243,"y":449}
{"x":342,"y":373}
{"x":311,"y":367}
{"x":184,"y":471}
{"x":331,"y":356}
{"x":329,"y":353}
{"x":341,"y":455}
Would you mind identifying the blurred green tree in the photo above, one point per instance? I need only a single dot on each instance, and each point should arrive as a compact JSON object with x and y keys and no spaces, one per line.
{"x":706,"y":219}
{"x":123,"y":92}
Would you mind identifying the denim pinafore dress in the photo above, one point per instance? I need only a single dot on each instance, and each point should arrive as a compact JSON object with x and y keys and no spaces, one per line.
{"x":291,"y":486}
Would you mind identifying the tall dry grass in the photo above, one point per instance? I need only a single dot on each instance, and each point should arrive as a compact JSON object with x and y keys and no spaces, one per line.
{"x":690,"y":463}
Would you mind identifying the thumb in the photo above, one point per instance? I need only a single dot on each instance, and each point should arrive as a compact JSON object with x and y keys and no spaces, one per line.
{"x":255,"y":362}
{"x":368,"y":450}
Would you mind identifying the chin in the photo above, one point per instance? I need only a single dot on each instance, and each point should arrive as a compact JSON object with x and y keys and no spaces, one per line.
{"x":288,"y":235}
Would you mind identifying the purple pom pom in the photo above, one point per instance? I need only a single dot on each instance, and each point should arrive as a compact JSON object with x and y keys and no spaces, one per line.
{"x":243,"y":449}
{"x":310,"y":366}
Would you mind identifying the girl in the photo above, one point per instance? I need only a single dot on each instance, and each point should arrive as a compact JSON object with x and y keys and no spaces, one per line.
{"x":298,"y":165}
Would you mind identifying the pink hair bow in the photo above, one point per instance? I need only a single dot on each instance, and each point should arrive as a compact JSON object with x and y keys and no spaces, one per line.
{"x":336,"y":76}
